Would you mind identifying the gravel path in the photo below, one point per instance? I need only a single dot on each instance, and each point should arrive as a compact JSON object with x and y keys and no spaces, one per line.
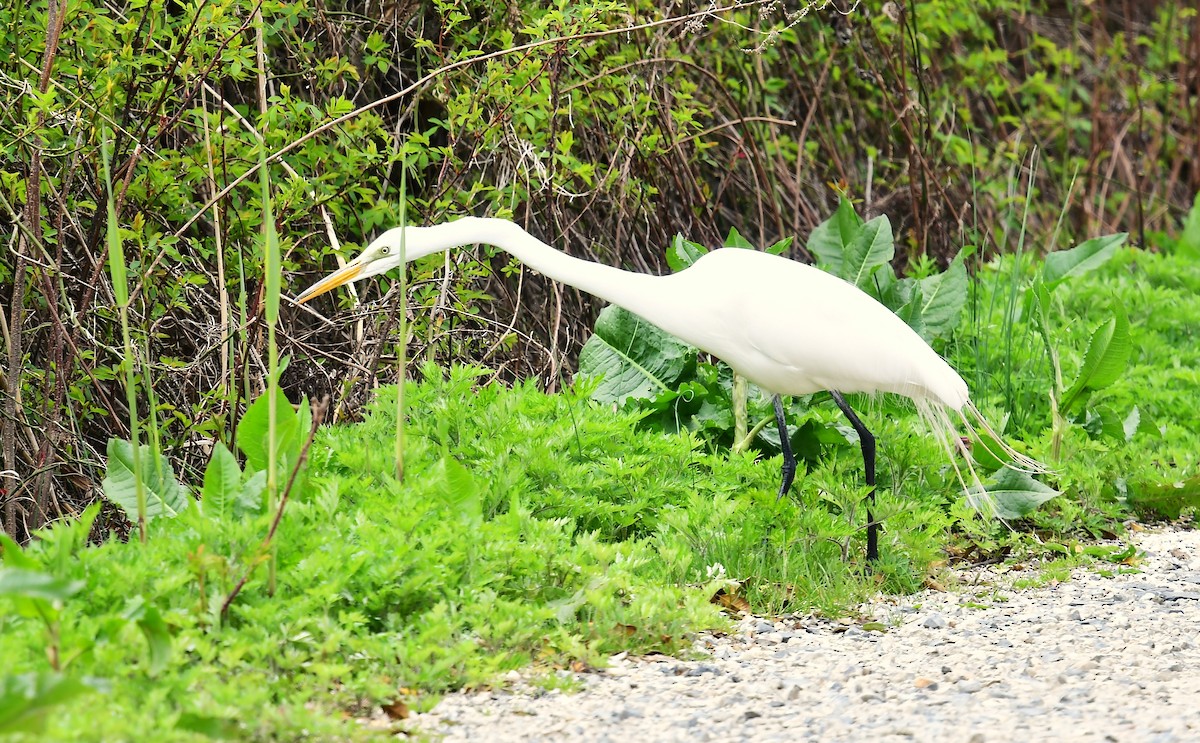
{"x":1092,"y":659}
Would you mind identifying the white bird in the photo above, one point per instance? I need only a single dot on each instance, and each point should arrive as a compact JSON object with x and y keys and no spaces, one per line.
{"x":788,"y":327}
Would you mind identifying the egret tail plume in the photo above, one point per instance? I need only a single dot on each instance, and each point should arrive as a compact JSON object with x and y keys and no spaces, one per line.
{"x":1016,"y":459}
{"x":936,"y":417}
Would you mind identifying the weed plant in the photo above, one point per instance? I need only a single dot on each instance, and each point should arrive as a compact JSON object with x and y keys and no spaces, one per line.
{"x":1126,"y":450}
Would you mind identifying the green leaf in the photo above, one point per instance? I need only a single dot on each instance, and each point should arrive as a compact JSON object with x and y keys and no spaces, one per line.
{"x":1083,"y":258}
{"x":872,"y":247}
{"x":633,"y":357}
{"x":1106,"y":359}
{"x":901,"y":296}
{"x":155,"y":629}
{"x":780,"y":246}
{"x":252,"y":497}
{"x":216,"y":728}
{"x":165,"y":496}
{"x":1189,"y":238}
{"x":26,"y":700}
{"x":683,"y":253}
{"x":14,"y":556}
{"x":1104,"y":422}
{"x":1166,"y":499}
{"x":829,"y":240}
{"x":943,"y":297}
{"x":1016,"y":494}
{"x":222,"y":482}
{"x":1132,"y":422}
{"x":735,"y":240}
{"x":252,"y":431}
{"x":37,"y":585}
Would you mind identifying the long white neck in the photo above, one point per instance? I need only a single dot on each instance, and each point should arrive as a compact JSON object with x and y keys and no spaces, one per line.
{"x":636,"y":292}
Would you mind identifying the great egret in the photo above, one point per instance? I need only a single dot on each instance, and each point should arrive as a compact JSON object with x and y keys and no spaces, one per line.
{"x":790,"y":328}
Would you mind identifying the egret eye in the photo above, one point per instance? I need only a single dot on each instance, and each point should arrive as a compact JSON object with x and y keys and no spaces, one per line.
{"x":385,"y":250}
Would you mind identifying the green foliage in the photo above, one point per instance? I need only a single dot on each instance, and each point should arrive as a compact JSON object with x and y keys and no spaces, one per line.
{"x":861,"y":253}
{"x":1016,"y":494}
{"x":1119,"y":339}
{"x":27,"y":699}
{"x":529,"y":528}
{"x":587,"y":128}
{"x":1080,"y":260}
{"x":1189,"y":239}
{"x":255,"y":434}
{"x":1104,"y":363}
{"x":633,"y":358}
{"x":142,"y":483}
{"x":1108,"y":348}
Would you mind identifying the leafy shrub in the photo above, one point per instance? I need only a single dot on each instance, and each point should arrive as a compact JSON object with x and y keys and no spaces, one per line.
{"x":605,"y":140}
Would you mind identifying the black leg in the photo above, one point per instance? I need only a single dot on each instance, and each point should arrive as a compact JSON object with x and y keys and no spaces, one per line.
{"x":867,"y":441}
{"x":789,"y":461}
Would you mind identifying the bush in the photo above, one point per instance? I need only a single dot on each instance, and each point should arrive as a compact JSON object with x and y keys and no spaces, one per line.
{"x":603,"y":140}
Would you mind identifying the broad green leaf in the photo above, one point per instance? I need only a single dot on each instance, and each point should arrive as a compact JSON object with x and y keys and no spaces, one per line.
{"x":26,"y":700}
{"x":252,"y":431}
{"x":252,"y":496}
{"x":943,"y":297}
{"x":1132,"y":422}
{"x":1087,"y":256}
{"x":37,"y":585}
{"x":683,"y":253}
{"x":1189,"y":238}
{"x":871,"y":247}
{"x":1103,"y":422}
{"x":829,"y":240}
{"x":222,"y":482}
{"x":164,"y":495}
{"x":735,"y":240}
{"x":633,"y":357}
{"x":901,"y":296}
{"x":988,"y":451}
{"x":1016,"y":494}
{"x":1106,"y":358}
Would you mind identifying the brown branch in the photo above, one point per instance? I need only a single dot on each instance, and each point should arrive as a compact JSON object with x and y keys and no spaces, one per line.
{"x":32,"y":219}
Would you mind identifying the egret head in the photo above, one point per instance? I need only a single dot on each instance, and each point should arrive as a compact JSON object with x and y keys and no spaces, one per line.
{"x":383,"y":254}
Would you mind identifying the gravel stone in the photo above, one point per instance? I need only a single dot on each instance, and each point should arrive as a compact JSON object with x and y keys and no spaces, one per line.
{"x":1105,"y":659}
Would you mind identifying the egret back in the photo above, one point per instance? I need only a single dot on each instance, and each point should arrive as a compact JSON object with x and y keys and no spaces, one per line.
{"x":794,"y":329}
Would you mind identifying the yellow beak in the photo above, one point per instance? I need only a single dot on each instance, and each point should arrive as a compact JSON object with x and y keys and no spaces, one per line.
{"x":343,"y":275}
